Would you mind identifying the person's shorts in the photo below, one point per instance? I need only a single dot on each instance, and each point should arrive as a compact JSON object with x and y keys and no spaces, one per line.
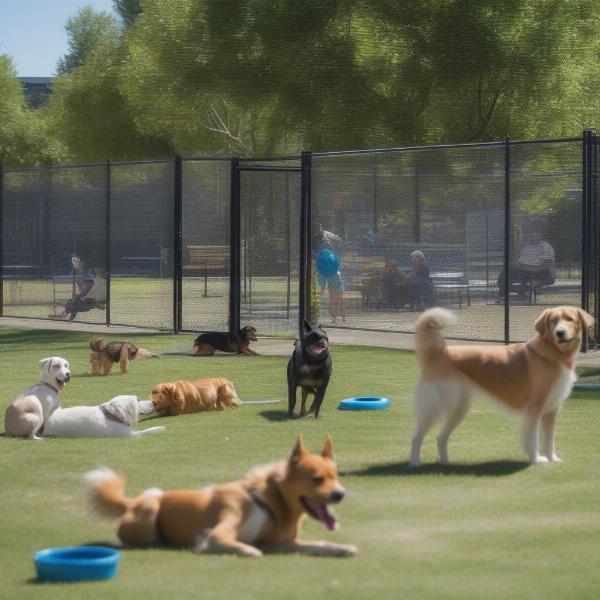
{"x":335,"y":282}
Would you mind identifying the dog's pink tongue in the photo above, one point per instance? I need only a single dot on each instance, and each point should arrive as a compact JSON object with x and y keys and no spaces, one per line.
{"x":326,"y":518}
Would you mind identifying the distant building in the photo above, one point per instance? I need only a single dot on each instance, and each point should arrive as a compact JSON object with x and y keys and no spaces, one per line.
{"x":37,"y":90}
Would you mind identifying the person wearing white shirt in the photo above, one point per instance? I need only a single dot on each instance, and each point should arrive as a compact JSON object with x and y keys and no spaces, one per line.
{"x":535,"y":267}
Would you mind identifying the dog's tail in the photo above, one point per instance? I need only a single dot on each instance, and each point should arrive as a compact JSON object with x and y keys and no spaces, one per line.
{"x":429,"y":331}
{"x":143,"y":353}
{"x":97,"y":344}
{"x":106,"y":493}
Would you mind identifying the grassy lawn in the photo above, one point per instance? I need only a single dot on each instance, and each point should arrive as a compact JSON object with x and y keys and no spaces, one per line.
{"x":489,"y":526}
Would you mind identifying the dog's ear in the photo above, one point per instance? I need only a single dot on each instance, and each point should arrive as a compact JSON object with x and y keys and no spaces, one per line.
{"x":45,"y":363}
{"x":586,"y":319}
{"x":298,"y":452}
{"x":306,"y":327}
{"x":176,"y":398}
{"x":541,"y":324}
{"x":327,"y":448}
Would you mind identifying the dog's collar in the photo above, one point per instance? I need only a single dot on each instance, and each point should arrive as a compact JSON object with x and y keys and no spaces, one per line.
{"x":569,"y":363}
{"x":258,"y":500}
{"x":110,"y":416}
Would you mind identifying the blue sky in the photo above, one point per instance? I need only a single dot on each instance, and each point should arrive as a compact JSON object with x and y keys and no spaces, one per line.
{"x":33,"y":33}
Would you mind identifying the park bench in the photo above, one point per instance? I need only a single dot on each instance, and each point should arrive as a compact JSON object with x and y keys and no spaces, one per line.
{"x":205,"y":260}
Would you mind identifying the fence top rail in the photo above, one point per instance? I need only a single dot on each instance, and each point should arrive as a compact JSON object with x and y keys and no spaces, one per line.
{"x":498,"y":144}
{"x":271,"y":158}
{"x":122,"y":163}
{"x":207,"y":158}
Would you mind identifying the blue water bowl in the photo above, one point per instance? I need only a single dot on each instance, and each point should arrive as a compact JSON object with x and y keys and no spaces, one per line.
{"x":365,"y":403}
{"x":81,"y":563}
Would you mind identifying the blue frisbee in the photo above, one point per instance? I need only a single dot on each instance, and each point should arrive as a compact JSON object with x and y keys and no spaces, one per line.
{"x":328,"y":263}
{"x":80,"y":563}
{"x":365,"y":403}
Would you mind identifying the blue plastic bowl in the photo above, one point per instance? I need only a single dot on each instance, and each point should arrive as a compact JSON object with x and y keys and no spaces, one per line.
{"x":81,"y":563}
{"x":365,"y":403}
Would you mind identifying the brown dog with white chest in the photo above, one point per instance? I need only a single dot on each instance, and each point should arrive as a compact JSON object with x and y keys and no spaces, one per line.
{"x":260,"y":513}
{"x":185,"y":397}
{"x":531,"y":379}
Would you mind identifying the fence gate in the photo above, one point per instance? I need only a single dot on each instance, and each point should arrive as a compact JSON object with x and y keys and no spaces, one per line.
{"x":269,"y":211}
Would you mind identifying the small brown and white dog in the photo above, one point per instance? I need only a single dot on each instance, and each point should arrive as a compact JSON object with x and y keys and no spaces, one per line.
{"x":185,"y":397}
{"x":29,"y":413}
{"x":532,"y":379}
{"x":104,"y":353}
{"x":261,"y":512}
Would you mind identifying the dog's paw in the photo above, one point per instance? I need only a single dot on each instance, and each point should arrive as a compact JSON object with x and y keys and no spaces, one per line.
{"x":250,"y":552}
{"x":345,"y":550}
{"x":538,"y":459}
{"x":555,"y":459}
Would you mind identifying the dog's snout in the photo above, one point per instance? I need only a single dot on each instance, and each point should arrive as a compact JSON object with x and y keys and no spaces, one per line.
{"x":67,"y":376}
{"x":337,"y":495}
{"x":560,"y":332}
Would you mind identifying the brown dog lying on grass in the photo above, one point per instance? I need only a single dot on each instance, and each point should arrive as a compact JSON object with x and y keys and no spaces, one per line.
{"x":185,"y":397}
{"x":260,"y":513}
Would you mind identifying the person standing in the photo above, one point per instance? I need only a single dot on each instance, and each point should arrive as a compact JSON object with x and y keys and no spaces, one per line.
{"x":326,"y":240}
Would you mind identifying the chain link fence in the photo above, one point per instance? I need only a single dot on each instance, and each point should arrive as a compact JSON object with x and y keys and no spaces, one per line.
{"x":496,"y":231}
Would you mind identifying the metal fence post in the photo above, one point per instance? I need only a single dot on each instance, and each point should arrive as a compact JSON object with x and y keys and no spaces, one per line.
{"x":235,"y":250}
{"x":177,"y":244}
{"x":108,"y":246}
{"x":1,"y":240}
{"x":305,"y":287}
{"x":588,"y":231}
{"x":507,"y":240}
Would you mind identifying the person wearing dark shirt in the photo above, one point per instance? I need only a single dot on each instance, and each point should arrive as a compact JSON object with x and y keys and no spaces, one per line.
{"x":420,"y":284}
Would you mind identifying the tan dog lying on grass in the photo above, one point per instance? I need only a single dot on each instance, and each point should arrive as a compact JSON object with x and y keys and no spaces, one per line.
{"x":185,"y":397}
{"x":531,"y":379}
{"x":261,"y":512}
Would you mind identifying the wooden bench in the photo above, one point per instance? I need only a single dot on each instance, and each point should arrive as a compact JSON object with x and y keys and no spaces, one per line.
{"x":214,"y":260}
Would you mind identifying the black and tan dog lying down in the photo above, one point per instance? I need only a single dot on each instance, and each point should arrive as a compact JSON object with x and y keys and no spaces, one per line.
{"x":260,"y":513}
{"x":206,"y":344}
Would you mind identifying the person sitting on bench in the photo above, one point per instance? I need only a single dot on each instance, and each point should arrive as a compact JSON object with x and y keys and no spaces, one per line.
{"x":534,"y":269}
{"x":89,"y":290}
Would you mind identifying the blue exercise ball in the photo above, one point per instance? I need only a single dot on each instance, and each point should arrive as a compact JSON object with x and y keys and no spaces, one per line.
{"x":328,"y":263}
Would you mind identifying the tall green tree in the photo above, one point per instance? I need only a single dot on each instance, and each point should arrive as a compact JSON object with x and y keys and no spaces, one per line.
{"x":85,"y":32}
{"x":24,"y":137}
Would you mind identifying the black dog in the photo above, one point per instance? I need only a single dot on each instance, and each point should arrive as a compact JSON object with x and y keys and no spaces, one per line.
{"x":310,"y":368}
{"x":206,"y":344}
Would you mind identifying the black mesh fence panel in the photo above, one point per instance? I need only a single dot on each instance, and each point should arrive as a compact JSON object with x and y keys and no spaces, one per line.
{"x":142,"y":244}
{"x":50,"y":215}
{"x":417,"y":228}
{"x":546,"y":243}
{"x":206,"y":244}
{"x":411,"y":228}
{"x":270,"y":230}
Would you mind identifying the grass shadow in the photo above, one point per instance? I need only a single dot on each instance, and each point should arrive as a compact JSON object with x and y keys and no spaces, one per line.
{"x":274,"y":415}
{"x":495,"y":468}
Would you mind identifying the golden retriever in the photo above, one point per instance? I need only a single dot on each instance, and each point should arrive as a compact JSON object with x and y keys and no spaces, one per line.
{"x":532,"y":379}
{"x":185,"y":397}
{"x":261,"y":512}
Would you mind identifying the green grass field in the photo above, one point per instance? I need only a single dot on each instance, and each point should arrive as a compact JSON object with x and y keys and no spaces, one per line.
{"x":488,"y":526}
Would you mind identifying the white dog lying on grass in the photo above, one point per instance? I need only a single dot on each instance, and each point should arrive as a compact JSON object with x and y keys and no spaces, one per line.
{"x":110,"y":419}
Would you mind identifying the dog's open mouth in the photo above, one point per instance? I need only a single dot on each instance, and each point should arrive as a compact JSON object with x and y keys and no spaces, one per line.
{"x":318,"y":348}
{"x":60,"y":385}
{"x":320,"y":512}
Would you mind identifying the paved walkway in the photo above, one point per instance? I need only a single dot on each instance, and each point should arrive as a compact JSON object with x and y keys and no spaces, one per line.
{"x":269,"y":346}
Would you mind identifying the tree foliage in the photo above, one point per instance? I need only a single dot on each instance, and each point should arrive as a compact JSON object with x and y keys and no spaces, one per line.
{"x":85,"y":32}
{"x":254,"y":77}
{"x":24,"y":139}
